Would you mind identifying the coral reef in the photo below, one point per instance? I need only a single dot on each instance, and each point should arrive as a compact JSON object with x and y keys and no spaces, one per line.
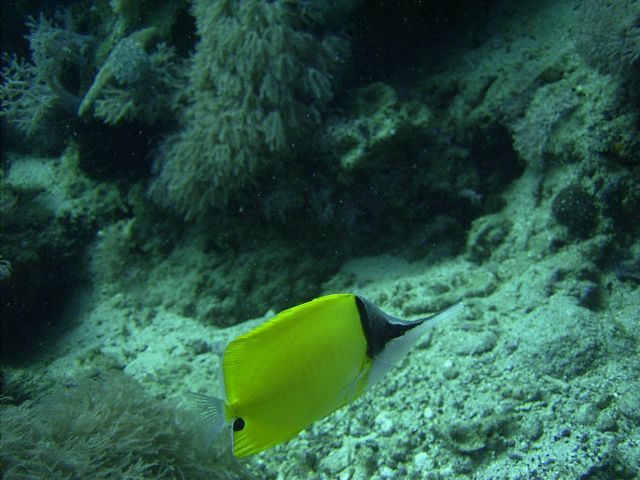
{"x":258,"y":82}
{"x":383,"y":124}
{"x":49,"y":211}
{"x":32,"y":93}
{"x":218,"y":287}
{"x":609,"y":35}
{"x":133,"y":85}
{"x":138,"y":80}
{"x":478,"y":151}
{"x":106,"y":427}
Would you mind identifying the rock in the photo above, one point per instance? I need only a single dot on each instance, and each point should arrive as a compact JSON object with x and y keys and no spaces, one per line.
{"x":476,"y":343}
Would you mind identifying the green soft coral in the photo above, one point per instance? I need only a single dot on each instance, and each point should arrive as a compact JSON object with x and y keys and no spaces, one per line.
{"x":105,"y":427}
{"x":128,"y":57}
{"x":257,"y":83}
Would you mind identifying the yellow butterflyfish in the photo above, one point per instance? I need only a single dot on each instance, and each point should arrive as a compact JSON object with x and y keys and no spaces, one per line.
{"x":305,"y":363}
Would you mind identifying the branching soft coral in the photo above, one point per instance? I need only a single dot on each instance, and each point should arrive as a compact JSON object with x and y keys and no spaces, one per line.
{"x":133,"y":84}
{"x":30,"y":92}
{"x":139,"y":80}
{"x":26,"y":99}
{"x":258,"y":82}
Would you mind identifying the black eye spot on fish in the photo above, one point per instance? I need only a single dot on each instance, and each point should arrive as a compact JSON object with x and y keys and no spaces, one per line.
{"x":238,"y":424}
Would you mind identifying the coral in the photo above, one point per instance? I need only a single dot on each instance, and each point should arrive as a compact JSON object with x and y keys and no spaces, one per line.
{"x":30,"y":92}
{"x":219,"y":289}
{"x":381,"y":123}
{"x":53,"y":48}
{"x":133,"y":15}
{"x":257,"y":84}
{"x":138,"y":81}
{"x":575,"y":208}
{"x":133,"y":84}
{"x":609,"y":37}
{"x":127,"y":63}
{"x":105,"y":427}
{"x":48,"y":211}
{"x":26,"y":99}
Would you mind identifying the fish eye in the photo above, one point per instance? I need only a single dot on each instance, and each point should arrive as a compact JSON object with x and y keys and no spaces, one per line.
{"x":238,"y":424}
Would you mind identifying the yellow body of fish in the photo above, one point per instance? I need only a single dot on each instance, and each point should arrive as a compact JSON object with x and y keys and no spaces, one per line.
{"x":303,"y":364}
{"x":297,"y":368}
